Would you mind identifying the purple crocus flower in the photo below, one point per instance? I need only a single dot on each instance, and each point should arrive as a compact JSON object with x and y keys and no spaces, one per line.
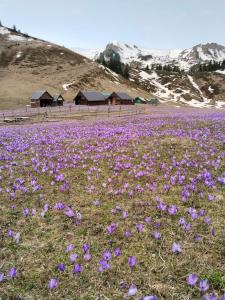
{"x":182,"y":221}
{"x":61,"y":267}
{"x":156,"y":235}
{"x":139,"y":227}
{"x":222,"y":297}
{"x":107,"y":255}
{"x":211,"y":197}
{"x":77,"y":268}
{"x":46,"y":207}
{"x":73,"y":257}
{"x":87,"y":256}
{"x":125,"y":214}
{"x":127,"y":233}
{"x":53,"y":283}
{"x":1,"y":277}
{"x":204,"y":285}
{"x":152,"y":297}
{"x":86,"y":247}
{"x":117,"y":252}
{"x":207,"y":220}
{"x":59,"y":206}
{"x":26,"y":212}
{"x":197,"y":237}
{"x":69,"y":248}
{"x":172,"y":210}
{"x":176,"y":248}
{"x":210,"y":296}
{"x":132,"y":261}
{"x":111,"y":228}
{"x":132,"y":290}
{"x":104,"y":265}
{"x":12,"y":272}
{"x":69,"y":212}
{"x":192,"y":279}
{"x":148,"y":220}
{"x":221,"y":180}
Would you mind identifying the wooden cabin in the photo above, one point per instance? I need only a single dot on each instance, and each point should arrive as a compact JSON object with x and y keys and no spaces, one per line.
{"x":41,"y":99}
{"x":58,"y":100}
{"x":139,"y":100}
{"x":120,"y":99}
{"x":90,"y":98}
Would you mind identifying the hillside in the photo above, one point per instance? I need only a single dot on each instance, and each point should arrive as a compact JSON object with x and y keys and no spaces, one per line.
{"x":28,"y":64}
{"x":198,"y":89}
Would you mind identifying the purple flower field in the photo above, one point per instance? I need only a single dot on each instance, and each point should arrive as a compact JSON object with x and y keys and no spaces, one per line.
{"x":132,"y":208}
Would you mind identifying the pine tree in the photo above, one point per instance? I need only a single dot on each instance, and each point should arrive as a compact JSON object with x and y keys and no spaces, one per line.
{"x":1,"y":23}
{"x":14,"y":28}
{"x":126,"y":71}
{"x":147,"y":68}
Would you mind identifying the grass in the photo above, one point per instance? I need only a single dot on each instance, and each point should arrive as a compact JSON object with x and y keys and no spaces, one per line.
{"x":93,"y":157}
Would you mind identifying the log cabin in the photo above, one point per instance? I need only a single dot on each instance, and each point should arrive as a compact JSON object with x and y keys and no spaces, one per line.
{"x":120,"y":98}
{"x":90,"y":98}
{"x":41,"y":99}
{"x":58,"y":100}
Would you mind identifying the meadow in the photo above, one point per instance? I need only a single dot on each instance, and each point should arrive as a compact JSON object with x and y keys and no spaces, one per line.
{"x":125,"y":208}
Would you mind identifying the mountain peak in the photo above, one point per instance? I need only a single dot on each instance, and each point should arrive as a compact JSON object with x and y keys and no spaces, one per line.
{"x":184,"y":59}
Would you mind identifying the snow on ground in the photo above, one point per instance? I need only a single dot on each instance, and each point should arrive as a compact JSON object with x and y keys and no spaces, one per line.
{"x":18,"y":55}
{"x":4,"y":30}
{"x":16,"y":38}
{"x":194,"y":84}
{"x":89,"y":53}
{"x":210,"y":89}
{"x":66,"y":85}
{"x":196,"y":103}
{"x":113,"y":74}
{"x":61,"y":53}
{"x":221,"y":72}
{"x":144,"y":75}
{"x":220,"y":104}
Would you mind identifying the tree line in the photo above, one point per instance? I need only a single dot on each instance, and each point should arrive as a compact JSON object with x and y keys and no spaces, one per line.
{"x":209,"y":67}
{"x":114,"y":63}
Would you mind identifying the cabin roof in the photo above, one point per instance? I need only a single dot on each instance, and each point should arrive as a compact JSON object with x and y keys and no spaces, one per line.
{"x":37,"y":95}
{"x":92,"y":96}
{"x":56,"y":97}
{"x":122,"y":95}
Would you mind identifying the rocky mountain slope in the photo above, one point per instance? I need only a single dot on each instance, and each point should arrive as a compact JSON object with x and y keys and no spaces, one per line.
{"x":28,"y":64}
{"x":200,"y":89}
{"x":142,"y":57}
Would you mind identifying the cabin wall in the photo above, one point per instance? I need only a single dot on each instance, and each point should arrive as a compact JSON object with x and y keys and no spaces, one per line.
{"x":35,"y":103}
{"x":100,"y":102}
{"x":127,"y":102}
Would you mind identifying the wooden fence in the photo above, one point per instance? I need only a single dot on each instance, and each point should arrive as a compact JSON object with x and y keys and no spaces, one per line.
{"x":57,"y":113}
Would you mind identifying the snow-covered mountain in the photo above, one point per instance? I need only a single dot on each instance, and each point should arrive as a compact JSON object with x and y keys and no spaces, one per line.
{"x":184,"y":59}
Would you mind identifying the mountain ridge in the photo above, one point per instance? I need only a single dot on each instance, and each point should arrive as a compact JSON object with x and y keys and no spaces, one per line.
{"x":184,"y":59}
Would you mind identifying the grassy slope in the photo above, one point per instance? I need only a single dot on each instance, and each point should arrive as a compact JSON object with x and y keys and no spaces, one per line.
{"x":146,"y":143}
{"x":38,"y":65}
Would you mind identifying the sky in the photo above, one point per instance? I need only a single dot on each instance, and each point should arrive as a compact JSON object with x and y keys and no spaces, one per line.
{"x":162,"y":24}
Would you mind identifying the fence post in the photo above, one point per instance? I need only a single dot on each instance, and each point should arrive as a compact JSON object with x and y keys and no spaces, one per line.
{"x":108,"y":111}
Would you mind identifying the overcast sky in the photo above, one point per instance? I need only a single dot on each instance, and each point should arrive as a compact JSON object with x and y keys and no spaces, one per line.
{"x":165,"y":24}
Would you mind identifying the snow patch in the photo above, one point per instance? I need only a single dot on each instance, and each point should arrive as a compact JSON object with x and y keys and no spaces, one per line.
{"x":66,"y":85}
{"x":221,"y":72}
{"x":210,"y":89}
{"x":16,"y":38}
{"x":194,"y":84}
{"x":18,"y":55}
{"x":144,"y":75}
{"x":4,"y":30}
